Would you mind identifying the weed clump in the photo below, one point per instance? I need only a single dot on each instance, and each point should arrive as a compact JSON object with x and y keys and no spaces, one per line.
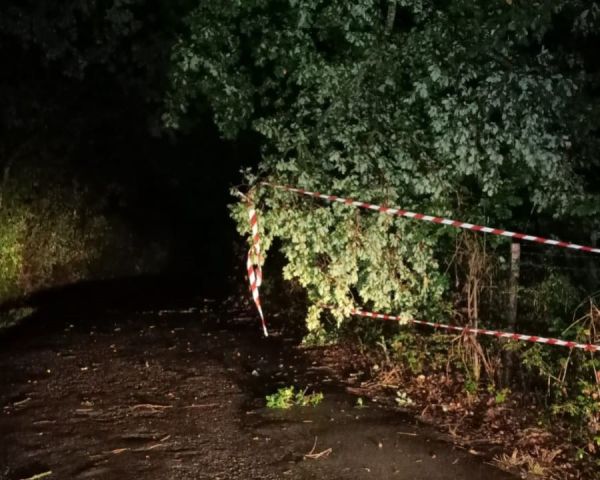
{"x":287,"y":397}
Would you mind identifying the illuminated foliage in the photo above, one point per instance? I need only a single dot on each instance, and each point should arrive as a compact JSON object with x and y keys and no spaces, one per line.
{"x":474,"y":109}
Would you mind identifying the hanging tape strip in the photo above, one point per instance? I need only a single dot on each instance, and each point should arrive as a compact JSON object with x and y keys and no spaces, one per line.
{"x":253,"y":265}
{"x":439,"y":220}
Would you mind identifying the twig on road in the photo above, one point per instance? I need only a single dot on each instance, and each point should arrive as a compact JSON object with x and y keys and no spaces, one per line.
{"x":39,"y":475}
{"x":316,"y":455}
{"x":150,"y":406}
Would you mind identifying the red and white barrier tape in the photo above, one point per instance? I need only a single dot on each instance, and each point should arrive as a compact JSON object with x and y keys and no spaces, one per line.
{"x":253,"y":265}
{"x":429,"y":218}
{"x":255,"y":272}
{"x":480,"y":331}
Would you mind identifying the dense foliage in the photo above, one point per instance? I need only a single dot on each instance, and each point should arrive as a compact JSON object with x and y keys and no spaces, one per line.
{"x":479,"y":110}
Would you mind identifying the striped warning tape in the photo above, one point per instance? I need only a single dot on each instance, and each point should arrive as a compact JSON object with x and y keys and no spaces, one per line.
{"x":253,"y":265}
{"x":480,"y":331}
{"x":429,"y":218}
{"x":255,"y":272}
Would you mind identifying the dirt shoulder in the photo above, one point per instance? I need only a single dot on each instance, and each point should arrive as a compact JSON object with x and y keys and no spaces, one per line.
{"x":506,"y":429}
